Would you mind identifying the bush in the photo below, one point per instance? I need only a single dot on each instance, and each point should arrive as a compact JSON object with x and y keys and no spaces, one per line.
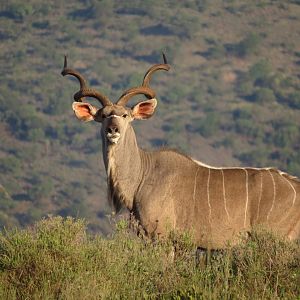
{"x":178,"y":93}
{"x":57,"y":259}
{"x":25,"y":123}
{"x":7,"y":221}
{"x":254,"y":259}
{"x":77,"y":209}
{"x":245,"y":86}
{"x":248,"y":128}
{"x":260,"y":70}
{"x":242,"y":113}
{"x":216,"y":52}
{"x":257,"y":157}
{"x":294,"y":100}
{"x":263,"y":95}
{"x":6,"y":202}
{"x":10,"y":165}
{"x":57,"y":104}
{"x":19,"y":10}
{"x":248,"y":45}
{"x":40,"y":188}
{"x":200,"y":5}
{"x":285,"y":135}
{"x":208,"y":125}
{"x":26,"y":154}
{"x":174,"y":136}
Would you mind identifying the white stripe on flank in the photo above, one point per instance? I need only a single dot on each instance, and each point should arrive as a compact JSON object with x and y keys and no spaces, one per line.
{"x":260,"y":195}
{"x":224,"y":194}
{"x":208,"y":200}
{"x":247,"y":197}
{"x":195,"y":186}
{"x":295,"y":193}
{"x":274,"y":195}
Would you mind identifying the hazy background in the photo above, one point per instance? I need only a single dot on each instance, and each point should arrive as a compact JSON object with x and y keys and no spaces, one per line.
{"x":232,"y":96}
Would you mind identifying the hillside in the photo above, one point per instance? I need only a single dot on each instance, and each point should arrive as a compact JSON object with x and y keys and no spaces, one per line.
{"x":232,"y":96}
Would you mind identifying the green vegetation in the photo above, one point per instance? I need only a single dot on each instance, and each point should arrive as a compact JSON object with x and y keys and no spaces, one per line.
{"x":248,"y":45}
{"x":208,"y":125}
{"x":233,"y":84}
{"x":57,"y":259}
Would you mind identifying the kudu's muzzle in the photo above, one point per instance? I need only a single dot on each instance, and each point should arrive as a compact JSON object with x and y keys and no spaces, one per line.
{"x":113,"y":132}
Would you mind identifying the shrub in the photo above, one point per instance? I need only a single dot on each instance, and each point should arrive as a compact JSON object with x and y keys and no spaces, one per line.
{"x":285,"y":135}
{"x":184,"y":25}
{"x":10,"y":165}
{"x":7,"y":221}
{"x":248,"y":45}
{"x":77,"y":209}
{"x":245,"y":86}
{"x":217,"y":51}
{"x":19,"y":10}
{"x":25,"y":123}
{"x":260,"y":272}
{"x":208,"y":125}
{"x":35,"y":134}
{"x":178,"y":92}
{"x":26,"y":154}
{"x":242,"y":113}
{"x":293,"y":100}
{"x":6,"y":202}
{"x":293,"y":168}
{"x":174,"y":136}
{"x":57,"y":104}
{"x":40,"y":188}
{"x":258,"y":157}
{"x":260,"y":70}
{"x":263,"y":95}
{"x":227,"y":142}
{"x":248,"y":128}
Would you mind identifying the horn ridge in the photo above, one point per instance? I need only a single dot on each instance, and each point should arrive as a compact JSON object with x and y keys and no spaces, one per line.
{"x":84,"y":91}
{"x":149,"y":93}
{"x":144,"y":88}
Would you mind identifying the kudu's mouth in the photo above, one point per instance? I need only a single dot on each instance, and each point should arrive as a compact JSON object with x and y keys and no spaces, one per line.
{"x":113,"y":138}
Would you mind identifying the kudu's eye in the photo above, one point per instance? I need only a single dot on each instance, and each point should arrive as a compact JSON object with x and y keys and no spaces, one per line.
{"x":104,"y":116}
{"x":125,"y":116}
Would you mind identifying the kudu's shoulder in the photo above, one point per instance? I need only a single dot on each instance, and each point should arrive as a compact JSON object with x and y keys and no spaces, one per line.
{"x":170,"y":159}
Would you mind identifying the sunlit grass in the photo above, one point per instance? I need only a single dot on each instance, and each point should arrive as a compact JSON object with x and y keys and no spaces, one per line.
{"x":57,"y":259}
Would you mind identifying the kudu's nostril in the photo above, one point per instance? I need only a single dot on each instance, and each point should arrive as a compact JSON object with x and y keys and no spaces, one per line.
{"x":112,"y":129}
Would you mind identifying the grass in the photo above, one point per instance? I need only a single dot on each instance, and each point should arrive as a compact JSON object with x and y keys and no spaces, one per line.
{"x":57,"y":259}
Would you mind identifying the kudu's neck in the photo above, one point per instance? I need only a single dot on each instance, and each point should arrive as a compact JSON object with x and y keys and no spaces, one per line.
{"x":123,"y":163}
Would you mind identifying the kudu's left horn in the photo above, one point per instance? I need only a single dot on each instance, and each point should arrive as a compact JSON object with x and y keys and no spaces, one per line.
{"x":84,"y":91}
{"x":144,"y":88}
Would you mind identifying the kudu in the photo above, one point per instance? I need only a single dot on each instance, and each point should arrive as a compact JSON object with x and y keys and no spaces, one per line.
{"x":166,"y":190}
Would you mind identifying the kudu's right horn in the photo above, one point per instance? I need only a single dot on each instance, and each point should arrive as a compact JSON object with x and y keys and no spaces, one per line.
{"x":144,"y":88}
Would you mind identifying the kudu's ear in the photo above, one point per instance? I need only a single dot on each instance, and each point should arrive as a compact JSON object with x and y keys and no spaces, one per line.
{"x":144,"y":110}
{"x":84,"y":111}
